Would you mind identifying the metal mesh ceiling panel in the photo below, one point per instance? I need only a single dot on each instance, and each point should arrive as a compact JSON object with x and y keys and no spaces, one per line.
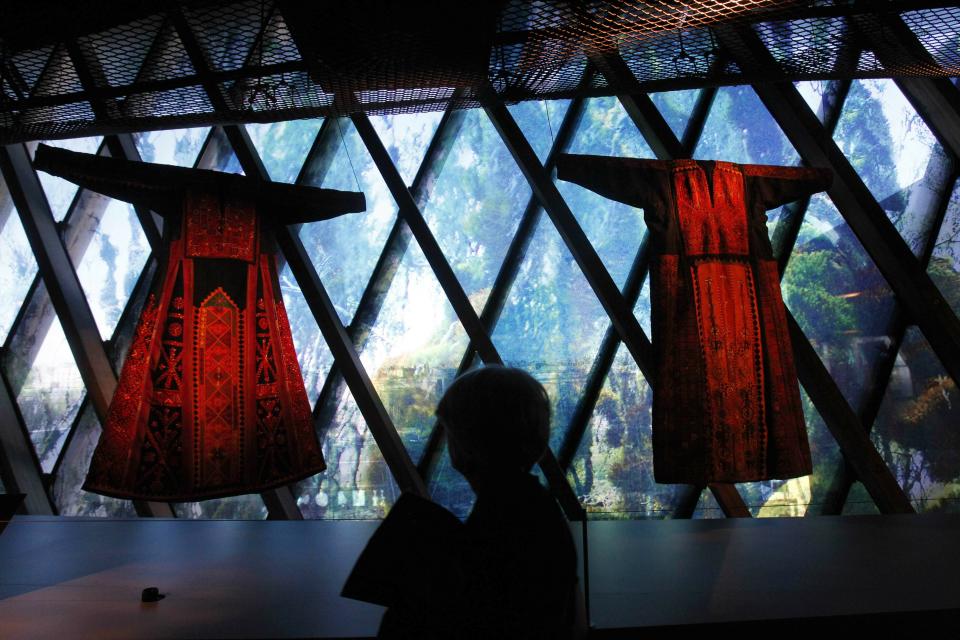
{"x":71,"y":71}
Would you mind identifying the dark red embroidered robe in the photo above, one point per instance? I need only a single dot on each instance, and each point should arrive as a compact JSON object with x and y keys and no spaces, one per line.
{"x":210,"y":401}
{"x":726,"y":406}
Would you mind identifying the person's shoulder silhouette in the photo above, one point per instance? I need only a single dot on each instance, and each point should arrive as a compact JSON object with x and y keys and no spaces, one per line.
{"x":510,"y":570}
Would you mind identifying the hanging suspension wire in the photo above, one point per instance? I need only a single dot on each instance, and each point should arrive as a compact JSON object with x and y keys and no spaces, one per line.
{"x":346,"y":150}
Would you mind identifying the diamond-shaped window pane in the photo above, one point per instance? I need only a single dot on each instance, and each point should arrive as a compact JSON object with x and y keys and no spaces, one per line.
{"x":896,"y":155}
{"x":813,"y":92}
{"x":840,"y":300}
{"x":51,"y":396}
{"x":916,"y":429}
{"x":944,"y":267}
{"x":112,"y":263}
{"x":676,"y":107}
{"x":613,"y":469}
{"x":475,"y":206}
{"x":740,"y":129}
{"x":414,"y":349}
{"x":18,"y":268}
{"x":598,"y":215}
{"x":344,"y":250}
{"x":606,"y":130}
{"x":539,"y":121}
{"x":283,"y":146}
{"x":406,"y":138}
{"x":178,"y":147}
{"x":70,"y":499}
{"x":707,"y":507}
{"x":357,"y":484}
{"x":313,"y":353}
{"x":552,"y":324}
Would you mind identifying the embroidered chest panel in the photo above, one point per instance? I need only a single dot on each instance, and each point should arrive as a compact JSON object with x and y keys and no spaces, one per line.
{"x":215,"y":227}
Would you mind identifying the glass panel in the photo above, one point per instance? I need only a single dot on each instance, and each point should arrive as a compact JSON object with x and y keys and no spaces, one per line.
{"x":312,"y":350}
{"x":51,"y":396}
{"x":283,"y":146}
{"x":112,"y":263}
{"x":897,"y":156}
{"x":17,"y":271}
{"x":676,"y":107}
{"x":476,"y":204}
{"x":707,"y":507}
{"x":793,"y":497}
{"x":642,"y":310}
{"x":916,"y":429}
{"x":70,"y":499}
{"x":612,"y":472}
{"x":217,"y":154}
{"x":840,"y":300}
{"x":740,"y":129}
{"x":60,"y":192}
{"x":552,"y":324}
{"x":600,"y":216}
{"x":245,"y":507}
{"x":944,"y":267}
{"x":606,"y":130}
{"x":812,"y":92}
{"x":414,"y":349}
{"x":406,"y":138}
{"x":357,"y":484}
{"x":231,"y":165}
{"x":859,"y":502}
{"x":539,"y":121}
{"x":344,"y":250}
{"x":178,"y":147}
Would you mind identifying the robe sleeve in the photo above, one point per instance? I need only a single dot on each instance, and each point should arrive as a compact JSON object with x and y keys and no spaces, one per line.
{"x":294,"y":204}
{"x":631,"y":181}
{"x":161,"y":187}
{"x":775,"y":186}
{"x":131,"y":182}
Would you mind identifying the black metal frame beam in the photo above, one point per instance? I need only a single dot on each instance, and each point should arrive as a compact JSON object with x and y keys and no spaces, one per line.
{"x":410,"y":212}
{"x":573,"y":236}
{"x":395,"y":247}
{"x":906,"y":277}
{"x":697,"y":121}
{"x":19,"y":465}
{"x":371,"y":407}
{"x":937,"y":100}
{"x":36,"y":314}
{"x":845,"y":475}
{"x":507,"y":274}
{"x":480,"y":340}
{"x":829,"y":401}
{"x":344,"y":353}
{"x":66,"y":293}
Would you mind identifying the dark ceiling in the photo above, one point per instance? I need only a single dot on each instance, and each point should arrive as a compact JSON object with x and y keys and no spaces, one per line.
{"x":70,"y":70}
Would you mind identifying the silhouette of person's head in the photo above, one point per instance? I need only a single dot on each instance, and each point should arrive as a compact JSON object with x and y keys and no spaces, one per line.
{"x":497,"y":421}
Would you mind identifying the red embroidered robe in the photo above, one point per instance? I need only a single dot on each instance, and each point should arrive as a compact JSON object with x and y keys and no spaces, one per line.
{"x":210,"y":401}
{"x":726,"y":406}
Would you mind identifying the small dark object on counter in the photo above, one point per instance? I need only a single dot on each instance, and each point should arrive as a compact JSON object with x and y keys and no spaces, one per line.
{"x":151,"y":594}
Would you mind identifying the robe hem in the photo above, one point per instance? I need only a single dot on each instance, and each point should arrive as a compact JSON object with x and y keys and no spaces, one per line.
{"x":196,"y":497}
{"x":784,"y":475}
